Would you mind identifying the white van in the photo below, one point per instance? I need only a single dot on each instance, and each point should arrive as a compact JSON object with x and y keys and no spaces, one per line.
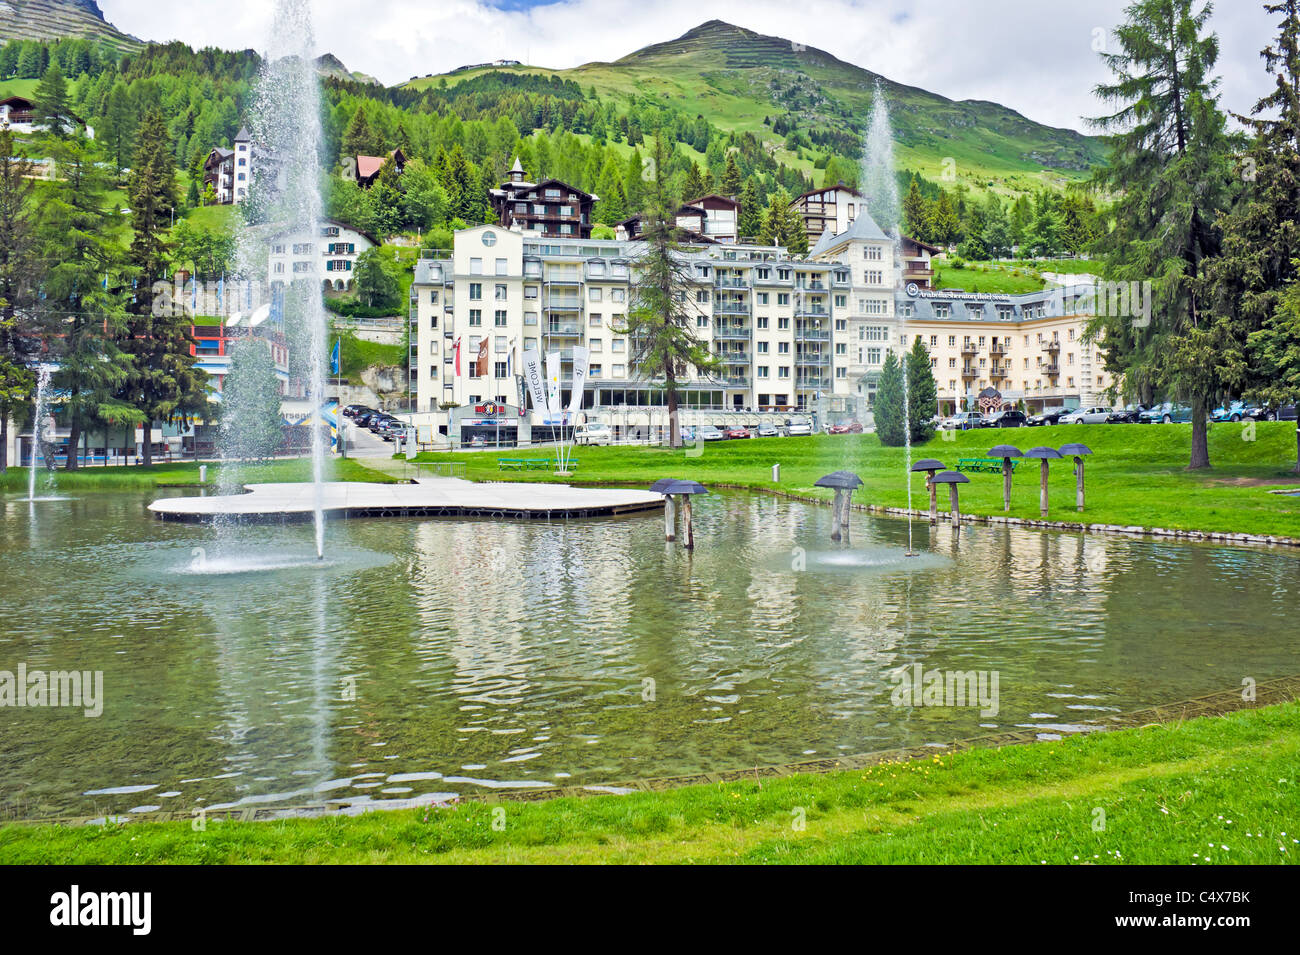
{"x":593,"y":433}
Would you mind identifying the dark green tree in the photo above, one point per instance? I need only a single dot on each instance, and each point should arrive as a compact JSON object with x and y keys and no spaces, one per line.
{"x":1170,"y":156}
{"x":661,"y":320}
{"x":18,"y":280}
{"x":888,"y":407}
{"x":922,"y":393}
{"x":750,"y":222}
{"x":374,"y":281}
{"x":50,"y":102}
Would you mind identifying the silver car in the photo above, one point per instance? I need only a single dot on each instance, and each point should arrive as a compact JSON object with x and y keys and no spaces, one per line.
{"x":1094,"y":415}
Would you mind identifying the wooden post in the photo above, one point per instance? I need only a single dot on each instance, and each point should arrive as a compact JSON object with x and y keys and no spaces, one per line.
{"x":836,"y":517}
{"x":1078,"y":473}
{"x":954,"y":507}
{"x":1042,"y":494}
{"x":1006,"y":484}
{"x":670,"y":518}
{"x":690,"y":530}
{"x":934,"y":497}
{"x":844,"y":521}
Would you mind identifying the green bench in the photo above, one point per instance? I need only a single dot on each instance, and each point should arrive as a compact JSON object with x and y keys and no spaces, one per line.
{"x":993,"y":465}
{"x":530,"y":464}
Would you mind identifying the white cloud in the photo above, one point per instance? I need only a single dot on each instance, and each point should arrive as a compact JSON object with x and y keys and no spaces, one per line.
{"x":1033,"y":56}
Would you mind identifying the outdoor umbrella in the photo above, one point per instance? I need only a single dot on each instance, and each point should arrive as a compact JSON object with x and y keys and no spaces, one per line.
{"x":843,"y":482}
{"x":952,"y":479}
{"x":1044,"y":455}
{"x":1006,"y":452}
{"x":931,"y":467}
{"x":1078,"y":451}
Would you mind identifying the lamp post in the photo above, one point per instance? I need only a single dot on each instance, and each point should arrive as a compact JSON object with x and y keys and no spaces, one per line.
{"x":931,"y":467}
{"x":1006,"y":452}
{"x":1078,"y":451}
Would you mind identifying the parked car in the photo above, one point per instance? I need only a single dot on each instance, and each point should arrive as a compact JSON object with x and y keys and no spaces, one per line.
{"x":688,"y":435}
{"x":962,"y":421}
{"x":738,"y":433}
{"x":1166,"y":413}
{"x":351,"y":411}
{"x":1238,"y":410}
{"x":767,"y":431}
{"x":709,"y":433}
{"x":1011,"y":418}
{"x":855,"y":427}
{"x":478,"y":441}
{"x":798,"y":429}
{"x":1284,"y":413}
{"x":378,"y":424}
{"x":1094,"y":415}
{"x":1126,"y":415}
{"x":837,"y":429}
{"x":1046,"y":416}
{"x":362,"y":418}
{"x":391,"y":429}
{"x":593,"y":432}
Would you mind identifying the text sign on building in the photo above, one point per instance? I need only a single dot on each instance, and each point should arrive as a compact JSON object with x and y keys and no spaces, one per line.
{"x":915,"y":291}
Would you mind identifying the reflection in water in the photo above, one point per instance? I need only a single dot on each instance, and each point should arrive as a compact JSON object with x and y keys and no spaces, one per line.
{"x":436,"y":657}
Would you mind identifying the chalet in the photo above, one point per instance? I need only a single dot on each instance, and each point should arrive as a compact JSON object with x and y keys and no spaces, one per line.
{"x":230,"y":172}
{"x":328,"y":256}
{"x":17,"y":114}
{"x":364,"y":170}
{"x":547,"y":208}
{"x":219,"y":175}
{"x":829,"y":210}
{"x":692,"y":221}
{"x":917,"y":268}
{"x":721,"y":217}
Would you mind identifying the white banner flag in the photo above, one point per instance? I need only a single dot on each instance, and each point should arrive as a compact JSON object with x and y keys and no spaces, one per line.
{"x":553,"y":408}
{"x":532,"y":369}
{"x":580,"y":361}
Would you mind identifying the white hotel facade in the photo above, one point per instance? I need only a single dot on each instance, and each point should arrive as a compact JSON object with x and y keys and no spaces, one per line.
{"x":797,"y":337}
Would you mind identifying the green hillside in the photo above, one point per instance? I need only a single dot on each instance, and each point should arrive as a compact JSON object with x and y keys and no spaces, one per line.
{"x":60,"y":20}
{"x":744,"y":81}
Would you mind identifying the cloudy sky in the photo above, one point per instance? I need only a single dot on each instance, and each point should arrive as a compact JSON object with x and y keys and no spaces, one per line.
{"x":1036,"y":56}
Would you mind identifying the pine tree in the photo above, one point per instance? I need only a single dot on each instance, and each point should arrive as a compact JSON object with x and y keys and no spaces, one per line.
{"x":359,"y":139}
{"x":750,"y":221}
{"x":50,"y":102}
{"x":888,"y":407}
{"x":922,"y":393}
{"x":916,"y":212}
{"x":1170,"y":156}
{"x":732,"y":181}
{"x":661,"y":320}
{"x":18,"y":279}
{"x":162,"y":382}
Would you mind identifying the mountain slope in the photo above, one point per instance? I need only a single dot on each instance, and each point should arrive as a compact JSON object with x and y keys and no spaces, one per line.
{"x":737,"y":79}
{"x":59,"y":19}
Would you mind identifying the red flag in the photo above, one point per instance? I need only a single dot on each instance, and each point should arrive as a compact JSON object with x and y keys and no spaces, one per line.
{"x":483,"y":358}
{"x":456,"y":352}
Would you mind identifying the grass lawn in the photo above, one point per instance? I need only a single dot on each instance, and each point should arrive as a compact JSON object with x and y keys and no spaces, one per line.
{"x":187,"y":473}
{"x":981,"y":277}
{"x":1215,"y":789}
{"x":1136,"y":476}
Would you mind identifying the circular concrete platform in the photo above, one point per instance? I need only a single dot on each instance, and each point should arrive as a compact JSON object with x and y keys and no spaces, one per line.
{"x":428,"y":497}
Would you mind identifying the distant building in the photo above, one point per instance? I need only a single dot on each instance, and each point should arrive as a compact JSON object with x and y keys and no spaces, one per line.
{"x":328,"y":257}
{"x":917,"y":267}
{"x":18,"y":115}
{"x":721,"y":217}
{"x":550,"y":208}
{"x":230,"y":172}
{"x":828,"y":210}
{"x":690,"y":227}
{"x":364,"y":170}
{"x":219,"y":175}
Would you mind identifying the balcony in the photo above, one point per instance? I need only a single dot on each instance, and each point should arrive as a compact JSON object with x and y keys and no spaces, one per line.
{"x":733,"y":333}
{"x":1052,"y":346}
{"x":811,"y":311}
{"x":812,"y":360}
{"x":811,"y":286}
{"x":969,"y":371}
{"x":563,"y":280}
{"x":569,"y":329}
{"x":555,"y":304}
{"x":1052,"y":370}
{"x":773,"y":280}
{"x":810,"y":384}
{"x":997,"y":349}
{"x":802,"y":334}
{"x":734,"y":357}
{"x":732,"y":283}
{"x":734,"y":381}
{"x":731,"y":308}
{"x":968,"y":349}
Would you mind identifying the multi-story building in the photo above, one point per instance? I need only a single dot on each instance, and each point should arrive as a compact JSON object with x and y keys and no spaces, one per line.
{"x":1029,"y":347}
{"x":829,"y":210}
{"x":230,"y":172}
{"x":328,"y":257}
{"x":550,"y":208}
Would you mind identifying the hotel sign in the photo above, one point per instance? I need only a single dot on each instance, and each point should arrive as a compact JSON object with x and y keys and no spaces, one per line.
{"x":915,"y":291}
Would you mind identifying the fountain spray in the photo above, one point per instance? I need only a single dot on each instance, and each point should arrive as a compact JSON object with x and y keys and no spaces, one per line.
{"x":39,"y":413}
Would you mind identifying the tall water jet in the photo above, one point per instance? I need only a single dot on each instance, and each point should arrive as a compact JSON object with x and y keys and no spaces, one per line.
{"x":881,"y":184}
{"x":41,"y":448}
{"x":285,"y":199}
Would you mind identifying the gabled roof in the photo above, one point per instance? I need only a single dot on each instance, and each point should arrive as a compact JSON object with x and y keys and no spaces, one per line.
{"x":242,"y":136}
{"x":932,"y":249}
{"x":17,"y":102}
{"x":714,"y":195}
{"x":839,"y":185}
{"x":368,"y":166}
{"x":863,"y":228}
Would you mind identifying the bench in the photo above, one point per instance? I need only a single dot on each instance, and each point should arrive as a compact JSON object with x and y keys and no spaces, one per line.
{"x":993,"y":465}
{"x":530,"y":464}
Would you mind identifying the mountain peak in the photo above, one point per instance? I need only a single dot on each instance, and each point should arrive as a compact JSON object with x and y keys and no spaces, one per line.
{"x":58,"y":20}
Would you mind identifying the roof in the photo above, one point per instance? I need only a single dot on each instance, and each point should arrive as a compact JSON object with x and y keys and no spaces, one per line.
{"x":932,"y":249}
{"x":518,"y":166}
{"x":839,"y":185}
{"x":368,"y":166}
{"x":242,"y":136}
{"x":716,"y":197}
{"x":863,"y":228}
{"x":17,"y":102}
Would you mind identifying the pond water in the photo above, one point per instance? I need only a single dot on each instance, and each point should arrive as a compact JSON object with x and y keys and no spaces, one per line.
{"x":433,"y":657}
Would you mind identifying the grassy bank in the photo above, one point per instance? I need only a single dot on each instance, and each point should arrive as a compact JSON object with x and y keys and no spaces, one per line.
{"x":1216,"y":789}
{"x":187,"y":473}
{"x":1137,"y":476}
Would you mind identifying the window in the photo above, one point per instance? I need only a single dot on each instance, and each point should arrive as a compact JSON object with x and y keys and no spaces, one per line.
{"x":618,"y":295}
{"x":783,"y":371}
{"x":934,"y":340}
{"x":941,"y":309}
{"x":499,"y":370}
{"x":475,"y":266}
{"x":490,"y":239}
{"x":783,"y":348}
{"x":873,"y":277}
{"x":763,"y":371}
{"x":617,"y":345}
{"x":619,"y":371}
{"x":762,"y":298}
{"x":595,"y":321}
{"x":762,"y":348}
{"x":872,"y":253}
{"x":475,"y":291}
{"x":500,"y":293}
{"x":499,"y":318}
{"x":475,"y":317}
{"x":530,"y":291}
{"x":782,"y":298}
{"x":762,"y":323}
{"x":595,"y":294}
{"x":782,"y":322}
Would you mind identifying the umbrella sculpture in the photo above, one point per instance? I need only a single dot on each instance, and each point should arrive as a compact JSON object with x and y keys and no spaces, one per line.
{"x":670,"y":509}
{"x":670,"y":487}
{"x":1006,"y":452}
{"x":1044,"y":455}
{"x":952,"y":479}
{"x":843,"y":482}
{"x":1078,"y":451}
{"x":931,"y":467}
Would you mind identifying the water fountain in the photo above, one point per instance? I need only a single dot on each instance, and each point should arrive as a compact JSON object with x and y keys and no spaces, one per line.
{"x":881,"y":184}
{"x":41,"y":448}
{"x":285,"y":126}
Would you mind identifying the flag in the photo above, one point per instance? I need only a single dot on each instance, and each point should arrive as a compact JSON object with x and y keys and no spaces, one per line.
{"x":510,"y":360}
{"x":194,"y":296}
{"x":553,"y":409}
{"x":334,"y":357}
{"x":580,"y":360}
{"x":532,"y":366}
{"x":483,"y":358}
{"x":455,"y":350}
{"x":221,"y":293}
